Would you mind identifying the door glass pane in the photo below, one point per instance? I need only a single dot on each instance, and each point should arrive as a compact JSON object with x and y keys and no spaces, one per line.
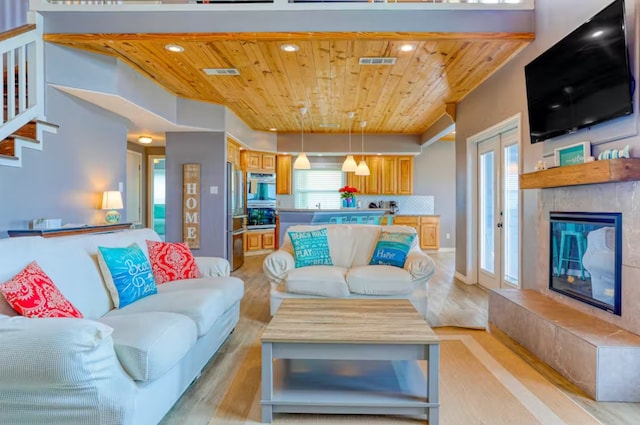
{"x":487,"y":212}
{"x":158,"y":196}
{"x":510,"y":217}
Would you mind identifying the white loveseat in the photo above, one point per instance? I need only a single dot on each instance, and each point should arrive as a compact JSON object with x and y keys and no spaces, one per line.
{"x":351,"y":247}
{"x":114,"y":366}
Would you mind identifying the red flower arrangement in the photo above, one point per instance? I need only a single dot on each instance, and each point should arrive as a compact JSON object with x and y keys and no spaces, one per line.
{"x":347,"y":192}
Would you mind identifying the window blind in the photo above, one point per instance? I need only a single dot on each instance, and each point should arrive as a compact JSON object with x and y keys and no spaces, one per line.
{"x":318,"y":187}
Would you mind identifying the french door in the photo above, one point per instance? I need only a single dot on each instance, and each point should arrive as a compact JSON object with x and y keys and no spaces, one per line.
{"x":498,"y":211}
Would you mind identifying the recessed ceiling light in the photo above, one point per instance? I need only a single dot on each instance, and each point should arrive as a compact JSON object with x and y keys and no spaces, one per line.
{"x":290,"y":47}
{"x":145,"y":140}
{"x":273,"y":129}
{"x":174,"y":48}
{"x":408,"y":47}
{"x":378,"y":154}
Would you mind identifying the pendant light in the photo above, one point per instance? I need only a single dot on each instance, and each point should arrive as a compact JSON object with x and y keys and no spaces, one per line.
{"x":349,"y":165}
{"x":363,"y":169}
{"x":302,"y":162}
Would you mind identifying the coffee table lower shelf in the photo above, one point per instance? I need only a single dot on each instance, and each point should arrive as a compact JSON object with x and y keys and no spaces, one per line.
{"x":374,"y":387}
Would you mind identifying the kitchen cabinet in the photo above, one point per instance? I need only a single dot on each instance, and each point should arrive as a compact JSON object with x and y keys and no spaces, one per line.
{"x":359,"y":182}
{"x":283,"y":175}
{"x":408,"y":220}
{"x":430,"y":232}
{"x":427,"y":227}
{"x":259,"y":161}
{"x":404,"y":175}
{"x":233,"y":153}
{"x":257,"y":240}
{"x":389,"y":175}
{"x":372,"y":182}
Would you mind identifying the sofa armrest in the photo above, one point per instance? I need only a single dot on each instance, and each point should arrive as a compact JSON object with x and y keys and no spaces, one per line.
{"x":62,"y":365}
{"x":420,"y":266}
{"x":213,"y":266}
{"x":277,"y":265}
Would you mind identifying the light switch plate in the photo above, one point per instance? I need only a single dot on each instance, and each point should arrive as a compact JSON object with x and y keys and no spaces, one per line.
{"x":213,"y":190}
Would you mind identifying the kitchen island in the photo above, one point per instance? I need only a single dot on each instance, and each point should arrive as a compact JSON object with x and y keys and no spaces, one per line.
{"x":289,"y":216}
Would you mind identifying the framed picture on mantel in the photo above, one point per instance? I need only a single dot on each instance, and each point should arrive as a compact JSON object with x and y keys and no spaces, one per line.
{"x":572,"y":154}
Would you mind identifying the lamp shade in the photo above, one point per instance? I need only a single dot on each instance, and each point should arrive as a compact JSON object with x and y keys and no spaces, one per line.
{"x":349,"y":164}
{"x":363,"y":169}
{"x":302,"y":162}
{"x":112,"y":200}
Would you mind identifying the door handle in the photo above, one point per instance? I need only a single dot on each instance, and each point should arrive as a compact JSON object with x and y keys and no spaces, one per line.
{"x":499,"y":224}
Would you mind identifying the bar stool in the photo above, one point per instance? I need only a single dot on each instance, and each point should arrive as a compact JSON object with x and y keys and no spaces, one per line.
{"x":566,"y":237}
{"x":374,"y":219}
{"x":358,"y":219}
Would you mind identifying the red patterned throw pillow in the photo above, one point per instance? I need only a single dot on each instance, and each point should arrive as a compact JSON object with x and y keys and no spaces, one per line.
{"x":172,"y":261}
{"x":33,"y":294}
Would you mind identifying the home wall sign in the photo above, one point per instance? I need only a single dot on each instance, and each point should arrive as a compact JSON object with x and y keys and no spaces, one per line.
{"x":191,"y":205}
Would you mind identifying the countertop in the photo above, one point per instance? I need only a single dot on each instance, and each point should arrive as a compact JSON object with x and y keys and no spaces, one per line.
{"x":342,"y":210}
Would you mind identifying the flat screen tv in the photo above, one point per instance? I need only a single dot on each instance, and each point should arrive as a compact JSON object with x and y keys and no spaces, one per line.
{"x":582,"y":80}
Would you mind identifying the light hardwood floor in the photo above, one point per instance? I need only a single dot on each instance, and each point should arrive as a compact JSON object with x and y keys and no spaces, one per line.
{"x":451,"y":303}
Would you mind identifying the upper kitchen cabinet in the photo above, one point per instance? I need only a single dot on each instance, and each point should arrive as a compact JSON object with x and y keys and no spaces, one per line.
{"x":233,"y":152}
{"x":259,"y":161}
{"x":283,"y":175}
{"x":372,"y":183}
{"x":404,"y":183}
{"x":389,"y":175}
{"x":388,"y":178}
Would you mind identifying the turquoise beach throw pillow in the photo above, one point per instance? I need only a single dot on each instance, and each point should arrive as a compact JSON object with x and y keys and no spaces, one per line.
{"x":311,"y":248}
{"x":127,"y":273}
{"x":392,"y":249}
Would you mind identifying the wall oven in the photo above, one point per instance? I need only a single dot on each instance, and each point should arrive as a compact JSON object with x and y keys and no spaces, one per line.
{"x":261,"y":187}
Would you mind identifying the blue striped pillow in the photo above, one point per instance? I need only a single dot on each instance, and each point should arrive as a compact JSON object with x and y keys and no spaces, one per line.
{"x":311,"y":248}
{"x":392,"y":249}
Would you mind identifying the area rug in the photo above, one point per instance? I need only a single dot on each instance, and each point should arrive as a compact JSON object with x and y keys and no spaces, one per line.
{"x":481,"y":382}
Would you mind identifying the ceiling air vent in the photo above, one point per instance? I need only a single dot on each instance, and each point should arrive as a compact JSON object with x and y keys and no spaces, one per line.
{"x":329,"y":125}
{"x":221,"y":71}
{"x":377,"y":61}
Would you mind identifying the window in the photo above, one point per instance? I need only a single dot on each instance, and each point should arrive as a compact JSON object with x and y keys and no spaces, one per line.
{"x":318,"y":187}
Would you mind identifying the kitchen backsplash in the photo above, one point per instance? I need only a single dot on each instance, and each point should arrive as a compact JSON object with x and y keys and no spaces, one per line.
{"x":408,"y":205}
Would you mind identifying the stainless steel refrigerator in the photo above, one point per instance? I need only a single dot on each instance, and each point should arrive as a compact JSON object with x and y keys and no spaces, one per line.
{"x":235,"y":216}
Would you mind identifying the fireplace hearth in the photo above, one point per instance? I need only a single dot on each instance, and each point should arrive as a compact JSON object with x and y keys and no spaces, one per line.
{"x":586,"y":257}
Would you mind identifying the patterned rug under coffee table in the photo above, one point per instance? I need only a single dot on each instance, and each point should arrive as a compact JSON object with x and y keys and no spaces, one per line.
{"x":349,"y":356}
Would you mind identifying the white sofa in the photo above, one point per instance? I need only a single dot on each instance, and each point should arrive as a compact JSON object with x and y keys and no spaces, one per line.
{"x":351,"y":247}
{"x":114,"y":366}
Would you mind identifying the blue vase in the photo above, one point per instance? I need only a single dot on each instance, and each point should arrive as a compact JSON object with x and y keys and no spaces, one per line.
{"x":351,"y":202}
{"x":344,"y":202}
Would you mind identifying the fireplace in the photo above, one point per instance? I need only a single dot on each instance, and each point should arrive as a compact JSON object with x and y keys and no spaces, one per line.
{"x":586,"y":257}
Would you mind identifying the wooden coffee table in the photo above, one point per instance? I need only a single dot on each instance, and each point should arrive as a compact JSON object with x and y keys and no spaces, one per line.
{"x":349,"y":357}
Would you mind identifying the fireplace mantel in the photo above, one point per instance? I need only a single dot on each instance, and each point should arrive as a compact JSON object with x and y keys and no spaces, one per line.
{"x":603,"y":171}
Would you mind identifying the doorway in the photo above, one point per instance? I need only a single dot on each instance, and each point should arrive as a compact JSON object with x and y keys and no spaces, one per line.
{"x":157,"y":191}
{"x":495,"y":225}
{"x":134,"y":187}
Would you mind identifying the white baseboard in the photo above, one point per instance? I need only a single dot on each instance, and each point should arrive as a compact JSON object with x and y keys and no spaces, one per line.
{"x":462,"y":278}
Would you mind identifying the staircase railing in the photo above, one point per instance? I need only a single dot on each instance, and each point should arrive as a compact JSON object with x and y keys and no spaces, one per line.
{"x":19,"y":91}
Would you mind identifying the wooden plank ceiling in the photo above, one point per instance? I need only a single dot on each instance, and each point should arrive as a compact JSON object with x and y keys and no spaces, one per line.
{"x":324,"y":75}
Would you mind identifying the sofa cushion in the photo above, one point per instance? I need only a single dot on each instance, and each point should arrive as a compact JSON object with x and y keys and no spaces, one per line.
{"x":127,"y":274}
{"x":379,"y":280}
{"x":230,"y":289}
{"x":33,"y":294}
{"x":324,"y":281}
{"x":149,"y":344}
{"x":172,"y":261}
{"x":392,"y":249}
{"x":311,"y":248}
{"x":204,"y":306}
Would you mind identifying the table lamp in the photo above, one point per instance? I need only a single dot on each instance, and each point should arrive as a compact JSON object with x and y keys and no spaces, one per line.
{"x":112,"y":201}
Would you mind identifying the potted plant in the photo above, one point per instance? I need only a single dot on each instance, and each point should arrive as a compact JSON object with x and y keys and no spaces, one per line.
{"x":348,"y":195}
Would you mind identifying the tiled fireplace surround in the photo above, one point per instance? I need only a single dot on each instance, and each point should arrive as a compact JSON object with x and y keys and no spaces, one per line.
{"x":596,"y":350}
